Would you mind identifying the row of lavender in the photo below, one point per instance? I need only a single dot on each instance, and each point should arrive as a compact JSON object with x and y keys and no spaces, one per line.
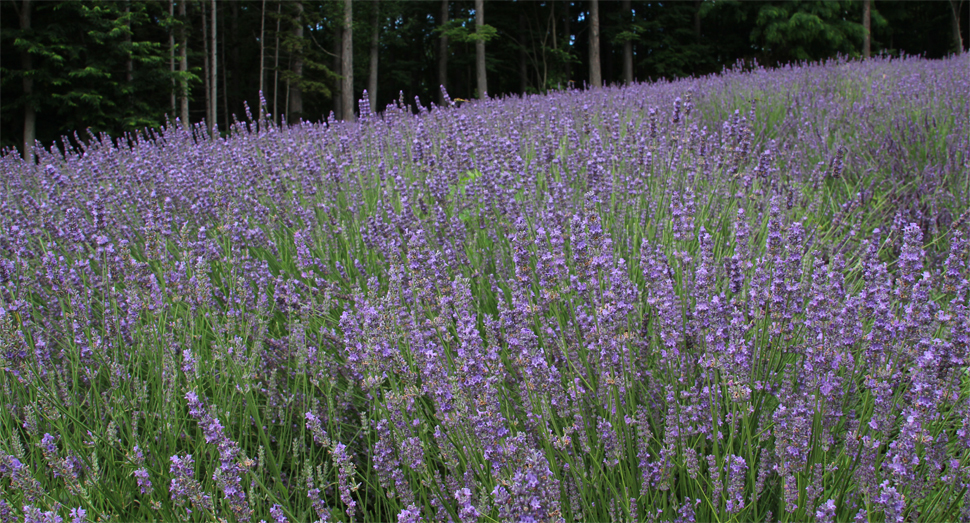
{"x":733,"y":298}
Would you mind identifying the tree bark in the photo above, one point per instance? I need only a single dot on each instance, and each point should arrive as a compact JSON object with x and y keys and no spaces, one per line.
{"x":867,"y":26}
{"x":214,"y":84}
{"x":184,"y":63}
{"x":262,"y":61}
{"x":295,"y":108}
{"x":347,"y":63}
{"x":30,"y":112}
{"x":443,"y":55}
{"x":628,"y":46}
{"x":595,"y":69}
{"x":480,"y":49}
{"x":523,"y":56}
{"x":957,"y":35}
{"x":375,"y":40}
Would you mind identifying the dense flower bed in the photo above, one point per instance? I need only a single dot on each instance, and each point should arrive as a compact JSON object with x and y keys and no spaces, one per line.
{"x":741,"y":297}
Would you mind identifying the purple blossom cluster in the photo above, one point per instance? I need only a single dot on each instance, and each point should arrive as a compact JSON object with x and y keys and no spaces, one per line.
{"x":185,"y":489}
{"x":233,"y":466}
{"x":686,"y":301}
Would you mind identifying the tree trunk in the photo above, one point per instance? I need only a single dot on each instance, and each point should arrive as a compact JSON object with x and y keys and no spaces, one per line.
{"x":276,"y":63}
{"x":295,"y":108}
{"x":347,"y":63}
{"x":523,"y":56}
{"x":338,"y":47}
{"x":595,"y":70}
{"x":184,"y":63}
{"x":215,"y":77}
{"x":480,"y":49}
{"x":375,"y":40}
{"x":206,"y":70}
{"x":30,"y":113}
{"x":957,"y":35}
{"x":628,"y":46}
{"x":867,"y":26}
{"x":443,"y":55}
{"x":262,"y":61}
{"x":171,"y":52}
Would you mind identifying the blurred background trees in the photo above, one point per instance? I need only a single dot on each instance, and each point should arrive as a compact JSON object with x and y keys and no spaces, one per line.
{"x":120,"y":66}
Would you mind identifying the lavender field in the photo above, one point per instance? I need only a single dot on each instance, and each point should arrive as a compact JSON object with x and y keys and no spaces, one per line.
{"x":734,"y":298}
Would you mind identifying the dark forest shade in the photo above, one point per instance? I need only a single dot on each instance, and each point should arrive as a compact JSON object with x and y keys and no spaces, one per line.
{"x":106,"y":66}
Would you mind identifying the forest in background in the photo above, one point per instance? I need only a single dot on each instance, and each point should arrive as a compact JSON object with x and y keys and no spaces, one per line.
{"x":72,"y":67}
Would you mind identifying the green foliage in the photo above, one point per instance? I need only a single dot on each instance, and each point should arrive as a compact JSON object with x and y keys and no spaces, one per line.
{"x":317,"y":78}
{"x":807,"y":30}
{"x":80,"y":53}
{"x":464,"y":31}
{"x":668,"y":47}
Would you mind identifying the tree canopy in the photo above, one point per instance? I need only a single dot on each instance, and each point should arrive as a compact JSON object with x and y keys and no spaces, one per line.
{"x":112,"y":67}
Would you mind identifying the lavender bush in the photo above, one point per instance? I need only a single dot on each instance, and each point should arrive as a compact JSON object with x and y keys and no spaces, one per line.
{"x":734,"y":298}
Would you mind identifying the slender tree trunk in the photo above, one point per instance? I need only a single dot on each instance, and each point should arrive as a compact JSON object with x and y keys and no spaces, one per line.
{"x":480,"y":49}
{"x":523,"y":56}
{"x":443,"y":55}
{"x":347,"y":63}
{"x":295,"y":108}
{"x":867,"y":26}
{"x":262,"y":61}
{"x":338,"y":47}
{"x":628,"y":46}
{"x":214,"y":84}
{"x":207,"y":68}
{"x":171,"y":52}
{"x":595,"y":69}
{"x":375,"y":40}
{"x":276,"y":63}
{"x":30,"y":112}
{"x":956,"y":6}
{"x":183,"y":63}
